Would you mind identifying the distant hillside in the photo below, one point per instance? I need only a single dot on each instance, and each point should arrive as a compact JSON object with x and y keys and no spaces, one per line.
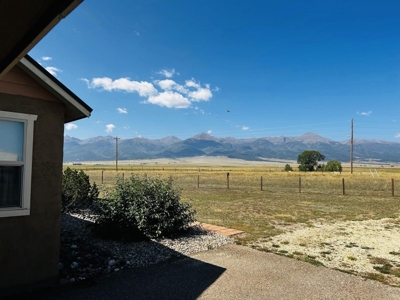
{"x":103,"y":148}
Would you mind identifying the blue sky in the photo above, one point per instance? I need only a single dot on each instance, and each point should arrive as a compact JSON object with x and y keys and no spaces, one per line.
{"x":160,"y":68}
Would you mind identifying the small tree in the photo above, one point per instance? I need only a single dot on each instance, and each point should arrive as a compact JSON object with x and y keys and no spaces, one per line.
{"x":308,"y":160}
{"x":288,"y":168}
{"x":333,"y":166}
{"x":77,"y":190}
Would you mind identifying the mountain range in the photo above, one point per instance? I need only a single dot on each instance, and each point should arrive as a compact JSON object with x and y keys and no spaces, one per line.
{"x":102,"y":148}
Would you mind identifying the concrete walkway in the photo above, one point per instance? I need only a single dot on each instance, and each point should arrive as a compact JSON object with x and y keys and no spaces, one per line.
{"x":219,"y":229}
{"x":229,"y":272}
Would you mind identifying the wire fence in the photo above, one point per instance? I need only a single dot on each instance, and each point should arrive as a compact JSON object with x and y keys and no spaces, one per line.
{"x":269,"y":182}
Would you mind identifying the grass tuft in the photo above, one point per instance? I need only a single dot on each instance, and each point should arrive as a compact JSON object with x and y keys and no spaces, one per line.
{"x":313,"y":261}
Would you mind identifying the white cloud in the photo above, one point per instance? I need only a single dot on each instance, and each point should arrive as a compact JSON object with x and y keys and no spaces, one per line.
{"x":169,"y":99}
{"x":166,"y":84}
{"x":245,"y":128}
{"x":192,"y":83}
{"x":364,"y":113}
{"x":167,"y":73}
{"x":110,"y":128}
{"x":397,"y":135}
{"x":122,"y":110}
{"x":143,"y":88}
{"x":137,"y":33}
{"x":200,"y":94}
{"x":53,"y":70}
{"x":171,"y":95}
{"x":209,"y":132}
{"x":85,"y":80}
{"x":70,"y":126}
{"x":46,"y":58}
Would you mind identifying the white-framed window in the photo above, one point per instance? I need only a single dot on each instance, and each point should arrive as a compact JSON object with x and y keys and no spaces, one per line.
{"x":16,"y":146}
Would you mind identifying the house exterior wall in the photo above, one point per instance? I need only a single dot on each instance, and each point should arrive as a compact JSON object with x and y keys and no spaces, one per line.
{"x":29,"y":245}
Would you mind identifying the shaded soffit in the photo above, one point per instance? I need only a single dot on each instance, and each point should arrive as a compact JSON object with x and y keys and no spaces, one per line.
{"x":23,"y":23}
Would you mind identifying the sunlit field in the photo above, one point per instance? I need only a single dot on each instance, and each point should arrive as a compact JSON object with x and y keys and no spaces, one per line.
{"x":262,"y":201}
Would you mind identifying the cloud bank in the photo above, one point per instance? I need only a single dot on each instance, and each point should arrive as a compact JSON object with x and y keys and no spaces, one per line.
{"x":166,"y":93}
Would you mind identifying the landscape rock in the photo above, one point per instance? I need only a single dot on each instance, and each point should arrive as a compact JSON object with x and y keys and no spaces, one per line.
{"x":98,"y":257}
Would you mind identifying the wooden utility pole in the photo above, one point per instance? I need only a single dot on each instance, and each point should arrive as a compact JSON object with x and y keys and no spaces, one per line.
{"x":116,"y":152}
{"x":351,"y":146}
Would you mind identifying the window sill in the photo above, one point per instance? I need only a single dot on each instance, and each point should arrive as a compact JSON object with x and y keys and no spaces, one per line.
{"x":14,"y":212}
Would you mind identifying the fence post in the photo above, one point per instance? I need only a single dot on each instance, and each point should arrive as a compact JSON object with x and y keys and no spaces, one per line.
{"x":261,"y":183}
{"x":198,"y":181}
{"x":299,"y":184}
{"x":102,"y":176}
{"x":392,"y":187}
{"x":123,"y":177}
{"x":227,"y":180}
{"x":344,"y":191}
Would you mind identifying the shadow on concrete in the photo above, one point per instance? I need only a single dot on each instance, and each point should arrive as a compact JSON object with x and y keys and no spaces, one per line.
{"x":181,"y":277}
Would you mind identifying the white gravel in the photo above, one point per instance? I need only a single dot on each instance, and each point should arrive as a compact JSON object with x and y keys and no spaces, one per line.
{"x":354,"y":246}
{"x":84,"y":256}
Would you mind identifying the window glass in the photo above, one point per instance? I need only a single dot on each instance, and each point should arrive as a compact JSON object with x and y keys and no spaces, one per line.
{"x":11,"y":140}
{"x":10,"y":186}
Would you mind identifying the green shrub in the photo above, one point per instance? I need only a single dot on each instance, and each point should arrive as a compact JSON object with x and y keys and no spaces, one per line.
{"x":77,"y":190}
{"x":141,"y":207}
{"x":333,"y":166}
{"x":288,"y":168}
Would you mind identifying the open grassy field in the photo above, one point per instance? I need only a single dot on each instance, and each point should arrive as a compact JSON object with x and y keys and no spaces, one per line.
{"x":279,"y":206}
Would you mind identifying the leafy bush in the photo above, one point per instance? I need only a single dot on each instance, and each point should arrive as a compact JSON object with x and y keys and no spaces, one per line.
{"x":333,"y":166}
{"x":77,"y":190}
{"x":288,"y":168}
{"x":143,"y":207}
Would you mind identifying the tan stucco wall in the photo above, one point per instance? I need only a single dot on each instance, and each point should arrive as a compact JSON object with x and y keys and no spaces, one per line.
{"x":29,"y":245}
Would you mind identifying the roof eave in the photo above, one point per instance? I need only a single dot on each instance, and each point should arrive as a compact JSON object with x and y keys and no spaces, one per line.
{"x":76,"y":108}
{"x":42,"y":27}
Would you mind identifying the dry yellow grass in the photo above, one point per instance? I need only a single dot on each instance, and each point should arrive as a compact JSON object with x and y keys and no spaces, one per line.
{"x":279,"y":205}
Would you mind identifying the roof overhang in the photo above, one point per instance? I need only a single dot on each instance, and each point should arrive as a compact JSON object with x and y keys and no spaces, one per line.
{"x":76,"y":108}
{"x":24,"y":23}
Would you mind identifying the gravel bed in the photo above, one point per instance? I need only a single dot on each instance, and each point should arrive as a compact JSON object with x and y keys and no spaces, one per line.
{"x":84,"y":257}
{"x":368,"y":248}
